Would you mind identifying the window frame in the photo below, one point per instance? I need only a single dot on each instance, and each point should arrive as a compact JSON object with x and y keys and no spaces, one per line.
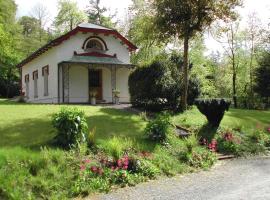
{"x":35,"y":79}
{"x":45,"y":74}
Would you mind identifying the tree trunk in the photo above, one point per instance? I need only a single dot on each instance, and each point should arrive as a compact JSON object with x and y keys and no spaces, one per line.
{"x":234,"y":84}
{"x":185,"y":70}
{"x":251,"y":73}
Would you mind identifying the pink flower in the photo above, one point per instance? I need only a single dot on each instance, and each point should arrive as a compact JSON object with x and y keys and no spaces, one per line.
{"x":268,"y":130}
{"x":87,"y":161}
{"x":93,"y":169}
{"x":125,"y":167}
{"x":83,"y":167}
{"x":119,"y":163}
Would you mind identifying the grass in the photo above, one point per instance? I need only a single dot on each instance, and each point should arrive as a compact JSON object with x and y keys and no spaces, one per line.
{"x":247,"y":120}
{"x":29,"y":125}
{"x":51,"y":173}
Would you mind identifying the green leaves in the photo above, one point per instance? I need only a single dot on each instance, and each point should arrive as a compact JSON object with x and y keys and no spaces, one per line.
{"x":71,"y":126}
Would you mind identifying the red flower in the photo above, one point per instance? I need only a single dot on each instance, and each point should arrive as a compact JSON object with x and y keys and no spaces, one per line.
{"x":93,"y":169}
{"x":83,"y":167}
{"x":87,"y":161}
{"x":119,"y":163}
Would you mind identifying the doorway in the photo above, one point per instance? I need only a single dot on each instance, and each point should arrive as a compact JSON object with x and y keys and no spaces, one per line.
{"x":95,"y":83}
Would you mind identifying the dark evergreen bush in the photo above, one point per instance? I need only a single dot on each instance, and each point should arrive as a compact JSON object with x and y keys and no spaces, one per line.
{"x":155,"y":88}
{"x":213,"y":109}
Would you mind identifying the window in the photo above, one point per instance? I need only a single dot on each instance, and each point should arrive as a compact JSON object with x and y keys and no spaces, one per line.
{"x":94,"y":44}
{"x":26,"y":80}
{"x":45,"y":74}
{"x":35,"y":78}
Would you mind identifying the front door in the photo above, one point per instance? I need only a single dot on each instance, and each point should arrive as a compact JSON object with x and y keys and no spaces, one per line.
{"x":95,"y":83}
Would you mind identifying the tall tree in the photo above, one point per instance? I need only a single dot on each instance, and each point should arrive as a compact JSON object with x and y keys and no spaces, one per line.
{"x":262,"y":74}
{"x":253,"y":32}
{"x":41,"y":13}
{"x":231,"y":38}
{"x":30,"y":35}
{"x":8,"y":54}
{"x":69,"y":16}
{"x":97,"y":14}
{"x":142,"y":32}
{"x":184,"y":19}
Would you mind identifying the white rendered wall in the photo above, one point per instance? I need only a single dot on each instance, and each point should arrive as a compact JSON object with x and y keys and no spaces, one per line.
{"x":48,"y":58}
{"x":78,"y":84}
{"x":64,"y":52}
{"x":122,"y":75}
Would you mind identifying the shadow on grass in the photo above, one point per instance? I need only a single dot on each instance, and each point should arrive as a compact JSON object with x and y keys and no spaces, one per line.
{"x":35,"y":133}
{"x":207,"y":131}
{"x":119,"y":123}
{"x":32,"y":133}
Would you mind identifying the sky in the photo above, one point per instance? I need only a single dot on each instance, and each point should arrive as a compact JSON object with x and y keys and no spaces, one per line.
{"x":261,"y":7}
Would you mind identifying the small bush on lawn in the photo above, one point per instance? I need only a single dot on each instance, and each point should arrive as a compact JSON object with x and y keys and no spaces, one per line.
{"x":71,"y":126}
{"x":158,"y":129}
{"x":213,"y":109}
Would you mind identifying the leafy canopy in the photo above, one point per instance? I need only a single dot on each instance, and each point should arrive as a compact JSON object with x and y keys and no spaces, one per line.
{"x":187,"y":17}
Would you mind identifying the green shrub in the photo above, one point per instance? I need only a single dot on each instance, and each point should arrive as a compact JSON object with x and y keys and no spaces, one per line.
{"x":159,"y":91}
{"x":213,"y":109}
{"x":158,"y":128}
{"x":71,"y":126}
{"x":146,"y":168}
{"x":201,"y":158}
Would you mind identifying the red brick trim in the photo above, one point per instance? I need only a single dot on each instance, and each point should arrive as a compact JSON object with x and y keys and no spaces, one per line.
{"x":95,"y":54}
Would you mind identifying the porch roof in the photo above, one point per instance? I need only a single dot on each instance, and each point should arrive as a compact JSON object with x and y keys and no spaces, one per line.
{"x":96,"y":60}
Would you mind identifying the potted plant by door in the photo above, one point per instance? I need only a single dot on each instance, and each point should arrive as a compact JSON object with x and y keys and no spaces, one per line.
{"x":93,"y":94}
{"x":116,"y":95}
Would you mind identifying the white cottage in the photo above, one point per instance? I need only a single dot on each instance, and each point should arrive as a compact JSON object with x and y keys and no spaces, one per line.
{"x":88,"y":58}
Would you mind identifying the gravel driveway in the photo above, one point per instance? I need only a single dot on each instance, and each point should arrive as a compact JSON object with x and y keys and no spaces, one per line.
{"x":246,"y":179}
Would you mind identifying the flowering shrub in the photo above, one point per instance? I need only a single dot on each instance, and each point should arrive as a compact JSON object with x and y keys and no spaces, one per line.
{"x":212,"y":146}
{"x":200,"y":157}
{"x":229,"y":143}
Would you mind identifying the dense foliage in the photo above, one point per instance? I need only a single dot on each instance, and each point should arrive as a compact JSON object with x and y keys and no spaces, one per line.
{"x":263,"y":78}
{"x":158,"y":129}
{"x":213,"y":109}
{"x":154,"y":87}
{"x":71,"y":126}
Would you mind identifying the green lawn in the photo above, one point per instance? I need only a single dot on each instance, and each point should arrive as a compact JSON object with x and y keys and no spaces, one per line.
{"x":234,"y":118}
{"x":30,"y":125}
